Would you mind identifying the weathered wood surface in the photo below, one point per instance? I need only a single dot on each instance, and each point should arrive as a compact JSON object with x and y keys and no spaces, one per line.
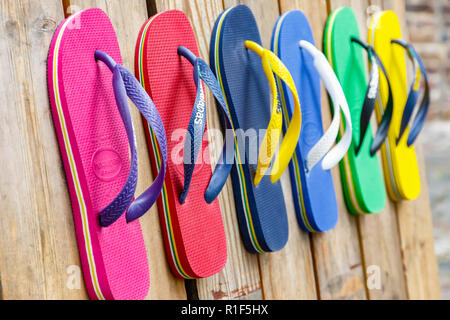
{"x":379,"y":239}
{"x":37,"y":242}
{"x":289,"y":273}
{"x":337,"y":256}
{"x":414,"y":219}
{"x":127,"y":26}
{"x":240,"y":277}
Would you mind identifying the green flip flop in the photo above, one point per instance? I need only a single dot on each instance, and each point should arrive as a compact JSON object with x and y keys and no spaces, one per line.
{"x":362,"y":178}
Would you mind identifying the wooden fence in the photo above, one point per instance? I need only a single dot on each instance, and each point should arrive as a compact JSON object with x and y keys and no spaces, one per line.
{"x":37,"y":238}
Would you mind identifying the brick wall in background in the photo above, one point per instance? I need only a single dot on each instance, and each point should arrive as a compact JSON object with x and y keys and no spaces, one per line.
{"x":429,"y":30}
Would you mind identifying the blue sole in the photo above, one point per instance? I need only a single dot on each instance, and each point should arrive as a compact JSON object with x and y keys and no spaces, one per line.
{"x":313,"y":192}
{"x":261,"y":210}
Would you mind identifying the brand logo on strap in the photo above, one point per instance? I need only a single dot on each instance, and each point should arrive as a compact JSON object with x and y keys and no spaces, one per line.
{"x":278,"y":104}
{"x":106,"y":164}
{"x":373,"y":85}
{"x":200,"y":108}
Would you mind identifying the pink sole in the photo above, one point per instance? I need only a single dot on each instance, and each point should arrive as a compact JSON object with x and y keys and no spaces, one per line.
{"x":94,"y":148}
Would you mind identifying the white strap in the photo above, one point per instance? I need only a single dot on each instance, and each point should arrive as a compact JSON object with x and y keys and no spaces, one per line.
{"x":322,"y":149}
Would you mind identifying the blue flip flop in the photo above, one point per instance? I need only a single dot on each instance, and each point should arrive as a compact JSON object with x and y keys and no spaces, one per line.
{"x":239,"y":70}
{"x":311,"y":180}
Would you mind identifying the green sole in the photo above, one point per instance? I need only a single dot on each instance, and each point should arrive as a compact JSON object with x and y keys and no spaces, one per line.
{"x":362,"y":178}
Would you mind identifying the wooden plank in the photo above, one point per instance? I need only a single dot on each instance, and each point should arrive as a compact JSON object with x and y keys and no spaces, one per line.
{"x":336,"y":254}
{"x":317,"y":14}
{"x":36,"y":226}
{"x":289,"y":273}
{"x":414,"y":219}
{"x":339,"y":265}
{"x":163,"y":285}
{"x":36,"y":230}
{"x":380,"y":242}
{"x":417,"y":242}
{"x":240,"y":278}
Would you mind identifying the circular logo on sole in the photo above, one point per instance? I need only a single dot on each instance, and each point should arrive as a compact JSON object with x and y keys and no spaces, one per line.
{"x":106,"y":164}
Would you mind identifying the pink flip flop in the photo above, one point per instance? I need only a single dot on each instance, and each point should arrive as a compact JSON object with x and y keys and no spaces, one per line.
{"x":88,"y":94}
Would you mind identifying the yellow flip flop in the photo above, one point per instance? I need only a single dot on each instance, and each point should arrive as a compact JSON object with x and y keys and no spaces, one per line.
{"x":399,"y":160}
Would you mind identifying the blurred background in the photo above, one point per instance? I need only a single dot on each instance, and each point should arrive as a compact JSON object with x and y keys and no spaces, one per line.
{"x":429,"y":30}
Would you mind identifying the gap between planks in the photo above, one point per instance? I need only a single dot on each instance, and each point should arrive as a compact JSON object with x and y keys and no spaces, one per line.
{"x":214,"y":288}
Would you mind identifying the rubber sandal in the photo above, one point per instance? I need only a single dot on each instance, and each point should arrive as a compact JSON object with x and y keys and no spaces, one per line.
{"x":399,"y":156}
{"x":191,"y":220}
{"x":361,"y":175}
{"x":312,"y":183}
{"x":245,"y":70}
{"x":88,"y":93}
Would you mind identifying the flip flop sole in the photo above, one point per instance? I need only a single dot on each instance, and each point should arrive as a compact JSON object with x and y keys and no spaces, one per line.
{"x":314,"y":195}
{"x":193,"y":232}
{"x":361,"y":174}
{"x":399,"y":161}
{"x":261,"y":210}
{"x":94,"y":148}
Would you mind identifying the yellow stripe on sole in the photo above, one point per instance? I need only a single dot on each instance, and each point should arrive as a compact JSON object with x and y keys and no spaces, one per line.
{"x":399,"y":161}
{"x":73,"y":168}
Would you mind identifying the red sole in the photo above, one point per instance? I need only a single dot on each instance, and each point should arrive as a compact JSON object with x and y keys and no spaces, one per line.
{"x":193,"y":232}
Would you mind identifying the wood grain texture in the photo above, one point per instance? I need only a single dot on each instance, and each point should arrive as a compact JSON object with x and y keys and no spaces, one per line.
{"x":417,"y":243}
{"x":37,"y":238}
{"x":288,"y":273}
{"x":414,"y":218}
{"x":127,"y":18}
{"x":36,"y":227}
{"x":378,"y":234}
{"x":351,"y":284}
{"x":317,"y":14}
{"x":380,"y":242}
{"x":240,"y":279}
{"x":336,"y":254}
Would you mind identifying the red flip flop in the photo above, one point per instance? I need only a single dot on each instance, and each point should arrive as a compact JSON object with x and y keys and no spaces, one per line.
{"x":193,"y":228}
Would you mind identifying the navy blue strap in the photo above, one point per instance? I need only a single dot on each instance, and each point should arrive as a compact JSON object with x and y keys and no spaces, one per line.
{"x":413,"y":96}
{"x":125,"y":84}
{"x":196,"y":128}
{"x":372,"y":94}
{"x":145,"y":105}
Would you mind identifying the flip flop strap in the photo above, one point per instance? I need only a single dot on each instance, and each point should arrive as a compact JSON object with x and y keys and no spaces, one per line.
{"x":413,"y":96}
{"x":125,"y":84}
{"x":273,"y":65}
{"x":196,"y":128}
{"x":372,"y":94}
{"x":323,"y":148}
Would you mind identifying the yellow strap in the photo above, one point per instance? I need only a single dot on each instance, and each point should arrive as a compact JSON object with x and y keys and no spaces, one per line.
{"x":271,"y":64}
